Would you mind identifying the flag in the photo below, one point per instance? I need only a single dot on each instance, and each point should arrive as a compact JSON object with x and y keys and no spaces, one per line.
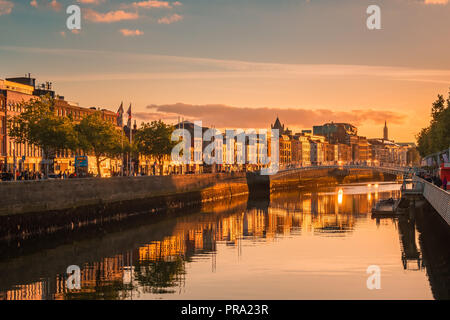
{"x":129,"y":117}
{"x":120,"y":116}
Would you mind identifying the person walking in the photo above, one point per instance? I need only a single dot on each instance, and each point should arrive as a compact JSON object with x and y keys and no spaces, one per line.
{"x":444,"y":183}
{"x":437,"y":181}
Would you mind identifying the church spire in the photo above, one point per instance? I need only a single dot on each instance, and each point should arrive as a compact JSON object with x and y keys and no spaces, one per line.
{"x":385,"y":131}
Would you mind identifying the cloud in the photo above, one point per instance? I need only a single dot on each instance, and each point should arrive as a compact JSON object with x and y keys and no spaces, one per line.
{"x":149,"y":4}
{"x":108,"y":17}
{"x":52,"y":4}
{"x":149,"y":116}
{"x":224,"y":116}
{"x":74,"y":31}
{"x":6,"y":7}
{"x":231,"y":69}
{"x":436,"y":1}
{"x":94,"y":2}
{"x":131,"y":33}
{"x":170,"y":19}
{"x":55,"y":5}
{"x":152,"y":4}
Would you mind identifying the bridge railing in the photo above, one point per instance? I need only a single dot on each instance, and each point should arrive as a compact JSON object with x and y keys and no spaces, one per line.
{"x":437,"y":197}
{"x":389,"y":169}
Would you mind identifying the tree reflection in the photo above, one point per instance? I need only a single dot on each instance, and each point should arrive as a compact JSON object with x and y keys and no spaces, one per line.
{"x":161,"y":276}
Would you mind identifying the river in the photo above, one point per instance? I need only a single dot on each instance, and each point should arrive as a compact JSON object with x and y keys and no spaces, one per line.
{"x":306,"y":244}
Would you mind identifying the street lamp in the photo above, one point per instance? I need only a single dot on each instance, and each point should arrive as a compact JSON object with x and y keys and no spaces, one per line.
{"x":14,"y":160}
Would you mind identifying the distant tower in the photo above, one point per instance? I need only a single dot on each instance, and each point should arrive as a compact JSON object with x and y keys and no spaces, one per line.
{"x":278,"y":125}
{"x":385,"y":131}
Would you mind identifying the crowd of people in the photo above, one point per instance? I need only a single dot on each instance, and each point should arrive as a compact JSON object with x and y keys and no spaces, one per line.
{"x":24,"y":175}
{"x":29,"y":175}
{"x":434,"y":179}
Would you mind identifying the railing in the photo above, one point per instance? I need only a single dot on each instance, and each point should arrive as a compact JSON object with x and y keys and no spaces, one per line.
{"x":389,"y":169}
{"x":437,"y":197}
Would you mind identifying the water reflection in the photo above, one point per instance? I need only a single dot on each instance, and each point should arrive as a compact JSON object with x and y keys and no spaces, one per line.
{"x":176,"y":257}
{"x":411,"y":255}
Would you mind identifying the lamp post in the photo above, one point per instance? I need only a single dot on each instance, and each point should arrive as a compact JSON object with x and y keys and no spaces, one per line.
{"x":14,"y":161}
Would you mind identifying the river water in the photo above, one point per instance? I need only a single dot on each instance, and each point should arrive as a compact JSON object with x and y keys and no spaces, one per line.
{"x":311,"y":244}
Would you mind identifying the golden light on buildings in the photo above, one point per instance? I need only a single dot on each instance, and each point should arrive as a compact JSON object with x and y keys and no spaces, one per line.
{"x":369,"y":185}
{"x":376,"y":185}
{"x":340,"y":196}
{"x":369,"y":196}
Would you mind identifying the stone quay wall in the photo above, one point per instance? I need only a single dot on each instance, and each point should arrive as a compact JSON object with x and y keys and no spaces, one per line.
{"x":48,"y":195}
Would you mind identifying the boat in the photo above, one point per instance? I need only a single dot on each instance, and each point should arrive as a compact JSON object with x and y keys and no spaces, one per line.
{"x":386,"y":207}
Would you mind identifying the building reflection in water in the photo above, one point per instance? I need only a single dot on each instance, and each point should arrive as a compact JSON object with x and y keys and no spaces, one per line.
{"x":159,"y":267}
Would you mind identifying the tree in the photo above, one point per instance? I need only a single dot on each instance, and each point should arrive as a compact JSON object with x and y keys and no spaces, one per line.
{"x":154,"y":139}
{"x":436,"y":137}
{"x":39,"y":125}
{"x":98,"y":137}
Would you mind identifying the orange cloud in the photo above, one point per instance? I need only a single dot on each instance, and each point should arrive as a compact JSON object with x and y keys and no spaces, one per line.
{"x":223,"y":116}
{"x":6,"y":7}
{"x":436,"y":1}
{"x":95,"y":2}
{"x":131,"y":33}
{"x":108,"y":17}
{"x":53,"y":4}
{"x":170,"y":19}
{"x":152,"y":4}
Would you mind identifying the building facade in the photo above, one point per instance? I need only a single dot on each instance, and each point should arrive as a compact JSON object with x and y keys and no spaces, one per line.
{"x":21,"y":157}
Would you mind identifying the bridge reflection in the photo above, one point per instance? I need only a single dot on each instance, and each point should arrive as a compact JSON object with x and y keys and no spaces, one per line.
{"x":154,"y":258}
{"x":411,"y":255}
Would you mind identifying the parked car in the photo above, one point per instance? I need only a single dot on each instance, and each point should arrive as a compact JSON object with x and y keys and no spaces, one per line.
{"x":53,"y":176}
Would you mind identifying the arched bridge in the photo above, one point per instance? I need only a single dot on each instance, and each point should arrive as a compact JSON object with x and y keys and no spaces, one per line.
{"x":343,"y":168}
{"x":323,"y":175}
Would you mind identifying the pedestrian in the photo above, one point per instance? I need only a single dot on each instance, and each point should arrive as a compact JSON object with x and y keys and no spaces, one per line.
{"x":444,"y":183}
{"x":437,"y":181}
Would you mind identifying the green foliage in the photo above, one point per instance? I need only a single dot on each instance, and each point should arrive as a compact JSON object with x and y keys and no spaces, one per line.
{"x":154,"y":139}
{"x":436,"y":137}
{"x":98,"y":137}
{"x":39,"y":125}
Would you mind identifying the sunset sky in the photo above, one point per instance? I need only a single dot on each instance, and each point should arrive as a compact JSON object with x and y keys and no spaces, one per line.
{"x":239,"y":63}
